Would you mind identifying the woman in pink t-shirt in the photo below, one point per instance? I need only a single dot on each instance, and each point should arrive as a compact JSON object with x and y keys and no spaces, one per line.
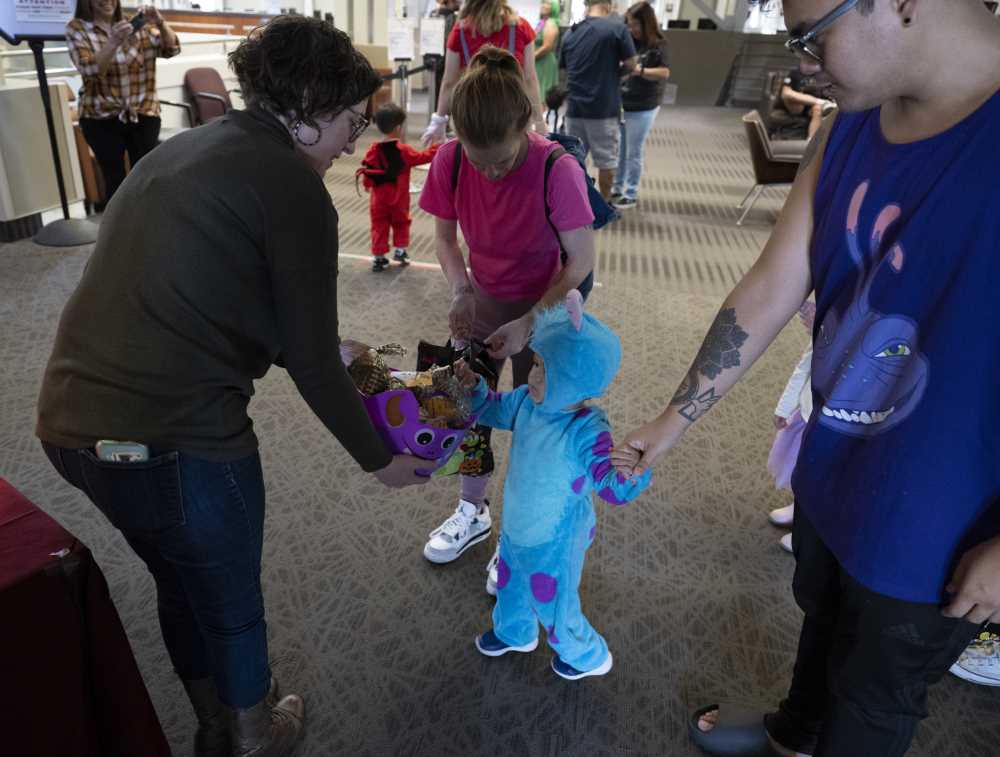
{"x":481,"y":23}
{"x":515,"y":256}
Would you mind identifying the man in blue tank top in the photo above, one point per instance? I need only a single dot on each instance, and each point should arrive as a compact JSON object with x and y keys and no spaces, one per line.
{"x":894,"y":222}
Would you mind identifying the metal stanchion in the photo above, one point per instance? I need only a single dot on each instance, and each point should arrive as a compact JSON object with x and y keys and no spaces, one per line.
{"x":432,"y":63}
{"x":404,"y":85}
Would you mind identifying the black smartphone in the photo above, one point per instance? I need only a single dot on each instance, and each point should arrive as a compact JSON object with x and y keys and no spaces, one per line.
{"x":138,"y":21}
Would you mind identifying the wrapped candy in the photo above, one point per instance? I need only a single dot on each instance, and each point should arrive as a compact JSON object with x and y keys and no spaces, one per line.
{"x":370,"y":373}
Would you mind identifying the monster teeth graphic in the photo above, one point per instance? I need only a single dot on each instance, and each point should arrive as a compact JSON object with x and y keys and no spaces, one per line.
{"x":863,"y":417}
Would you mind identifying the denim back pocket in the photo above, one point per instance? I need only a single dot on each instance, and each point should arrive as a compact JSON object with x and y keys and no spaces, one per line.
{"x":142,"y":497}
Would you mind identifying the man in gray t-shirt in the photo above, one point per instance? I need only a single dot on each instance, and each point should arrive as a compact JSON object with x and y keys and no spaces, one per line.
{"x":594,"y":54}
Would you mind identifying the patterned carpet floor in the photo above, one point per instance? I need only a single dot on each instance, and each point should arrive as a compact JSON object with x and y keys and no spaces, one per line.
{"x":688,"y":584}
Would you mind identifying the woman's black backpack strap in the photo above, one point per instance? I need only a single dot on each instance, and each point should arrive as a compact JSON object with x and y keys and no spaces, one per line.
{"x":456,"y":164}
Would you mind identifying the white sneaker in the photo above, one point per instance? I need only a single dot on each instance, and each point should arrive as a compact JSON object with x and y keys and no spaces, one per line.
{"x":786,"y":543}
{"x":783,"y":516}
{"x":491,"y":571}
{"x":980,"y":662}
{"x":467,"y":526}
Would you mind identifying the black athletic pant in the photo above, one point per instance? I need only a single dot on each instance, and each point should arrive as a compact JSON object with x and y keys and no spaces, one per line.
{"x":110,"y":139}
{"x":864,"y":661}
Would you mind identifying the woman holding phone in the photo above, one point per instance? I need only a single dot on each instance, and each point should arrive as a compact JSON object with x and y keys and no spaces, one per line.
{"x":119,"y":109}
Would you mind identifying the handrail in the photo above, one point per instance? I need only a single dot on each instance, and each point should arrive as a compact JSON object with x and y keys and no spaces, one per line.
{"x":19,"y":52}
{"x":16,"y":53}
{"x":227,"y":28}
{"x":32,"y":74}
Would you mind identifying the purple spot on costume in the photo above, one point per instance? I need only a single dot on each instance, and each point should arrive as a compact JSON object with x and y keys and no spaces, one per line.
{"x":503,"y":573}
{"x":603,"y":444}
{"x":609,"y":496}
{"x":543,"y":587}
{"x":600,"y":469}
{"x":578,"y":484}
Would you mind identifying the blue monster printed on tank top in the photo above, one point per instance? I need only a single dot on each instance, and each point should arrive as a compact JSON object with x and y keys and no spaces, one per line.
{"x":867,"y":363}
{"x":899,"y":469}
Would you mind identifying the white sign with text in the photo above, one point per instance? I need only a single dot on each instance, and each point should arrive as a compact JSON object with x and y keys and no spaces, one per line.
{"x":44,"y":10}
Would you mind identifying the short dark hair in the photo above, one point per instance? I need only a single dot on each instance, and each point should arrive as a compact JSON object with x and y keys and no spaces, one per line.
{"x":85,"y":11}
{"x":303,"y":67}
{"x":388,"y":117}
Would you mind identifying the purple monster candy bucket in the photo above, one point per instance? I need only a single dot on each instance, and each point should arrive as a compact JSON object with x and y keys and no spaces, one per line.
{"x":396,"y":416}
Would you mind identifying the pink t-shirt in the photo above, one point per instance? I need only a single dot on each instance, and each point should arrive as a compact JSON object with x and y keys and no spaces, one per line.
{"x":513,"y":252}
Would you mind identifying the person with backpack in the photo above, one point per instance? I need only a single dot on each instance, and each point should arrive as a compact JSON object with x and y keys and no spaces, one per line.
{"x":385,"y":174}
{"x":523,"y":206}
{"x":480,"y":23}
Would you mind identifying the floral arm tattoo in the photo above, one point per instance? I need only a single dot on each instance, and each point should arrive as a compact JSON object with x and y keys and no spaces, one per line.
{"x":719,"y":351}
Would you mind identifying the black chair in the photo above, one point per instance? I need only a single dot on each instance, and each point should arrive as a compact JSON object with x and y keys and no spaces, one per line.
{"x":679,"y":23}
{"x":707,"y":24}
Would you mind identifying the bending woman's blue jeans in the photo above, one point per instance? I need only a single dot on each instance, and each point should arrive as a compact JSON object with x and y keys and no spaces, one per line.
{"x":199,"y":527}
{"x":634,"y":130}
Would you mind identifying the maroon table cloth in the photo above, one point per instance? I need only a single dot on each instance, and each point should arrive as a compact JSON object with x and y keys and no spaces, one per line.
{"x":69,"y":685}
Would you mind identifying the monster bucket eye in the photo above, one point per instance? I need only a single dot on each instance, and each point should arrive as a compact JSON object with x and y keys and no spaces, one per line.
{"x":424,"y":438}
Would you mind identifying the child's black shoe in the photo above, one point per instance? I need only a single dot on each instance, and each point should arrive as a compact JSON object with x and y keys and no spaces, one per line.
{"x":380,"y":263}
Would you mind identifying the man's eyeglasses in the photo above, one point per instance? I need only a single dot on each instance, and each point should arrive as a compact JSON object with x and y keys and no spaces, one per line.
{"x":358,"y":127}
{"x":804,"y":45}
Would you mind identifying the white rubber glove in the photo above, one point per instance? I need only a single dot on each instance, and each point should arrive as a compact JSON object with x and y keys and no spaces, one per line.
{"x":436,"y":130}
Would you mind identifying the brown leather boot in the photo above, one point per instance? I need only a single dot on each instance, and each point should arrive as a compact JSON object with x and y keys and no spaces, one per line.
{"x":266,"y":731}
{"x":212,"y":738}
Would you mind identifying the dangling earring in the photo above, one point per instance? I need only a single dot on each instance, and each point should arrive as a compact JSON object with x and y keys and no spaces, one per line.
{"x":907,"y":21}
{"x":295,"y":133}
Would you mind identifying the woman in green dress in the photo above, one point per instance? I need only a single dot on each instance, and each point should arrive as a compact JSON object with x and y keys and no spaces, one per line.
{"x":546,"y":39}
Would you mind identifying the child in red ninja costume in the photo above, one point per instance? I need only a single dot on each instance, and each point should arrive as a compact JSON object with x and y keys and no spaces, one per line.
{"x":386,"y":176}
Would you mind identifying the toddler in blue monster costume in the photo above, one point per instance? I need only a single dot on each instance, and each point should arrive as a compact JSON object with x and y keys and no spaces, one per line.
{"x":560,"y":454}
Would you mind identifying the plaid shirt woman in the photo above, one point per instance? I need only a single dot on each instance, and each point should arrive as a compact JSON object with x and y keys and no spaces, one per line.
{"x":127,"y":89}
{"x":119,"y":109}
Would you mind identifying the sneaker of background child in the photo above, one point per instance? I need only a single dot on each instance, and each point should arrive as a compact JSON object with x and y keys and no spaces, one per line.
{"x":491,"y":570}
{"x":400,"y":256}
{"x":380,"y":263}
{"x":625,"y":203}
{"x":467,"y":526}
{"x":490,"y":645}
{"x":567,"y":671}
{"x":783,"y":516}
{"x":980,"y":662}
